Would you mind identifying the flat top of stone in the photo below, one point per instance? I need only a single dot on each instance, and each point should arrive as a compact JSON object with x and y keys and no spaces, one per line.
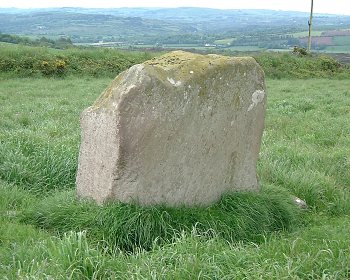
{"x":182,"y":64}
{"x":177,"y":58}
{"x":175,"y":68}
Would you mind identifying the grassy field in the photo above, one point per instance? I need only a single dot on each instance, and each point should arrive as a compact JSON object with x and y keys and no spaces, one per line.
{"x":45,"y":233}
{"x":244,"y":48}
{"x":306,"y":33}
{"x":226,"y":41}
{"x":337,"y":49}
{"x":341,"y":40}
{"x":341,"y":43}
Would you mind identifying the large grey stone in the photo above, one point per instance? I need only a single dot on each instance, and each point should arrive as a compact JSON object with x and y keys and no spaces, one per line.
{"x":179,"y":129}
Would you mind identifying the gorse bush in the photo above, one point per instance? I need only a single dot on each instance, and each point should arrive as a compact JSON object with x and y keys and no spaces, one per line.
{"x":57,"y":67}
{"x":286,"y":65}
{"x":25,"y":61}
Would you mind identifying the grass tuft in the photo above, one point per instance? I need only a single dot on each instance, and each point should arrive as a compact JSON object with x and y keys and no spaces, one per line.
{"x":129,"y":227}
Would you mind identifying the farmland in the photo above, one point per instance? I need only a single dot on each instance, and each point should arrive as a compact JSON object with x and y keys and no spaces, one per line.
{"x":181,"y":28}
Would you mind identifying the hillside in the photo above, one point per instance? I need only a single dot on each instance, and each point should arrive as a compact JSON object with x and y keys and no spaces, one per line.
{"x":85,"y":27}
{"x":176,"y":27}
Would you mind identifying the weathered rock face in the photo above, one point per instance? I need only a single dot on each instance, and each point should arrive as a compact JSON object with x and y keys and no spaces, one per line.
{"x":179,"y":129}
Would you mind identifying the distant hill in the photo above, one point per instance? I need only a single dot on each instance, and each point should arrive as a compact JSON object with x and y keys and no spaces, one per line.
{"x":84,"y":27}
{"x":167,"y":26}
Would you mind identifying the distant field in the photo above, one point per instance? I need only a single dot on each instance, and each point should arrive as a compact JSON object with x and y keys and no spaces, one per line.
{"x":306,"y":33}
{"x":337,"y":49}
{"x":181,"y":46}
{"x":317,"y":41}
{"x":341,"y":40}
{"x":337,"y":32}
{"x":224,"y":41}
{"x":333,"y":41}
{"x":280,"y":50}
{"x":201,"y":47}
{"x":244,"y":48}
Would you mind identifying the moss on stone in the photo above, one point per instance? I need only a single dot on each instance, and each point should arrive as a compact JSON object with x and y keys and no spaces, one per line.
{"x":179,"y":68}
{"x":184,"y":65}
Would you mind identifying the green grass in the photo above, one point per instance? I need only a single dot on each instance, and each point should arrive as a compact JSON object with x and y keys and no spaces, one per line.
{"x":46,"y":233}
{"x":38,"y":150}
{"x":129,"y":227}
{"x":319,"y":252}
{"x":306,"y":142}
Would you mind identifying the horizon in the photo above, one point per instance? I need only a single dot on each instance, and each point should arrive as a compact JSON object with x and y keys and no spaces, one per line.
{"x":179,"y":7}
{"x":341,"y":7}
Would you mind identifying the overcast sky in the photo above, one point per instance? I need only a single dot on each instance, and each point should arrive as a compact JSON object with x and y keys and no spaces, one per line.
{"x":320,"y":6}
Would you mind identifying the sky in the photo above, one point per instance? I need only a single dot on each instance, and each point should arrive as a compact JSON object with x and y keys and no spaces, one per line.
{"x":320,"y":6}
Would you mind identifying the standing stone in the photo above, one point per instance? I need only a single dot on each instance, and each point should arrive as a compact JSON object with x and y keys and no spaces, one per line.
{"x":179,"y":129}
